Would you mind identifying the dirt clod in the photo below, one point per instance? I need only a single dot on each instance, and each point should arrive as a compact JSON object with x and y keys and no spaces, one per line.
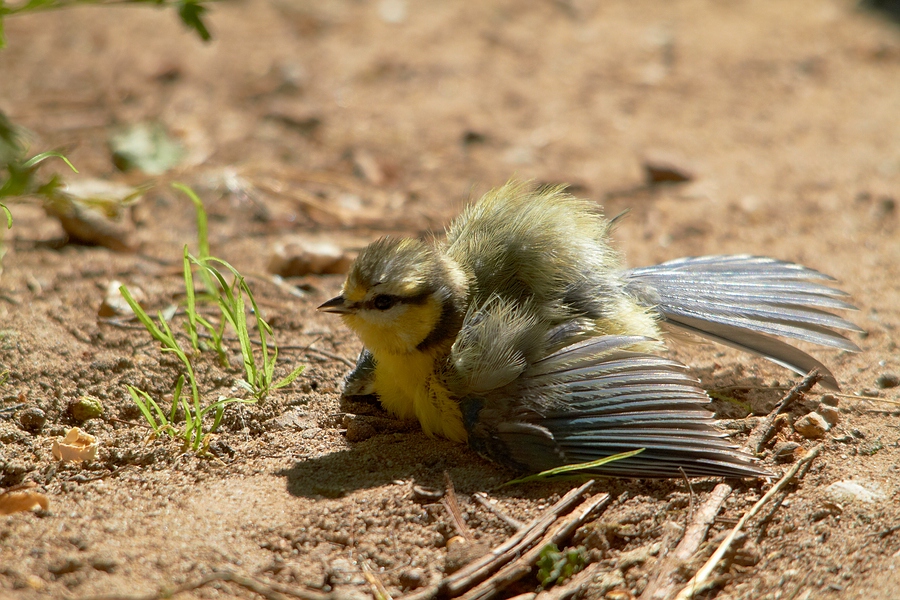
{"x":888,"y":380}
{"x":32,"y":419}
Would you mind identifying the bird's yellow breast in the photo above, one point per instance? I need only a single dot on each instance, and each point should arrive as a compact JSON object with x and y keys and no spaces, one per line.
{"x":408,"y":387}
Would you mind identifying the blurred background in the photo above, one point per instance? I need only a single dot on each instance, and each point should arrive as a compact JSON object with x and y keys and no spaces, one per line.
{"x":765,"y":127}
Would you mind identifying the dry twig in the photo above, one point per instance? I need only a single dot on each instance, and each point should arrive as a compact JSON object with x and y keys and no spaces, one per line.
{"x":699,"y":580}
{"x":763,"y":431}
{"x":482,"y":568}
{"x":379,"y":591}
{"x":514,"y":571}
{"x":663,"y":584}
{"x":482,"y":499}
{"x":452,"y":505}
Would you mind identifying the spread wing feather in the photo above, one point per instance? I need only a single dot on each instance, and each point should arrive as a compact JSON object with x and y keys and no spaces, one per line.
{"x":597,"y":398}
{"x":742,"y":301}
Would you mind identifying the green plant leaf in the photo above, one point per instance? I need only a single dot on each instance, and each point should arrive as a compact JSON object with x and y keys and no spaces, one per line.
{"x":191,"y":306}
{"x":576,"y":468}
{"x":39,"y":158}
{"x":287,"y":380}
{"x":143,"y":317}
{"x":191,"y":13}
{"x":11,"y":148}
{"x":176,"y":397}
{"x":555,"y":566}
{"x":202,"y":227}
{"x":142,"y":406}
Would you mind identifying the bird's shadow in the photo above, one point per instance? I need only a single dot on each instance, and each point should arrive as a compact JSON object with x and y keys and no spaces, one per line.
{"x":414,"y":457}
{"x":386,"y":458}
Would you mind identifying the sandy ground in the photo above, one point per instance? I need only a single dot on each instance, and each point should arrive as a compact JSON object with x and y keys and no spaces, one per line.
{"x":345,"y":120}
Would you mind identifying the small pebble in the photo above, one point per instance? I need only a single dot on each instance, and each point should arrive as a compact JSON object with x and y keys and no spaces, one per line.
{"x":66,"y":565}
{"x":32,"y":419}
{"x":426,"y":494}
{"x":849,"y":490}
{"x":411,"y":579}
{"x":104,"y":563}
{"x":301,"y":256}
{"x":888,"y":380}
{"x":358,"y":429}
{"x":812,"y":426}
{"x":785,"y":451}
{"x":830,"y":399}
{"x":831,"y":415}
{"x":660,"y":168}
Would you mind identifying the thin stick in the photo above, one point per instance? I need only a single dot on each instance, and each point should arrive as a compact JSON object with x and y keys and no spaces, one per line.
{"x":664,"y":583}
{"x":870,"y":398}
{"x":690,"y":488}
{"x":514,"y":571}
{"x":699,"y":580}
{"x":332,"y":356}
{"x":515,"y":524}
{"x":378,"y":590}
{"x":763,"y":431}
{"x":480,"y":569}
{"x":452,"y":505}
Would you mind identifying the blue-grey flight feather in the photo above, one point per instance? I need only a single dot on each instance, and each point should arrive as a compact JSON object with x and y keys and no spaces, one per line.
{"x":742,"y":301}
{"x":596,"y":398}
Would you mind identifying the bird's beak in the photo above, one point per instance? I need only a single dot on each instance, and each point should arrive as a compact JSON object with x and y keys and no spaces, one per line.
{"x":337,"y":305}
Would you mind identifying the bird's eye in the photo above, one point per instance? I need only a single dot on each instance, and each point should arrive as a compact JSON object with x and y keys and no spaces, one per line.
{"x":384,"y":302}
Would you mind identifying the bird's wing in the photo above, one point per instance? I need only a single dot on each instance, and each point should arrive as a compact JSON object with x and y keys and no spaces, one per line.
{"x":742,"y":301}
{"x":596,"y":398}
{"x":360,"y":381}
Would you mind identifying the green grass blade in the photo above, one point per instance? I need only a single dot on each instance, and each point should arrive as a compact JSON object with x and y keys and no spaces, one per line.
{"x":220,"y":410}
{"x":202,"y":227}
{"x":191,"y":301}
{"x":176,"y":397}
{"x":188,"y":418}
{"x":142,"y":406}
{"x":574,"y":469}
{"x":159,"y":411}
{"x":171,"y":343}
{"x":39,"y":158}
{"x":289,"y":379}
{"x":143,"y":317}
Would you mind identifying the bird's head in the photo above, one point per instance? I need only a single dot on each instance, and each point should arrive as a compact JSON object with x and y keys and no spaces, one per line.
{"x":401,"y":295}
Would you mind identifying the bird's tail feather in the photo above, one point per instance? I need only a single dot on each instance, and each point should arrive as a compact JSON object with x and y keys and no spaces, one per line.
{"x":742,"y":301}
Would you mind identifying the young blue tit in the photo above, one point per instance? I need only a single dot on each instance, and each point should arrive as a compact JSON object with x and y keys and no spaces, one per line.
{"x":523,"y":335}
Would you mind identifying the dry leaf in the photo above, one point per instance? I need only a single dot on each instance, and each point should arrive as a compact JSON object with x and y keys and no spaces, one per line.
{"x":305,"y":257}
{"x":22,"y":500}
{"x":76,"y":446}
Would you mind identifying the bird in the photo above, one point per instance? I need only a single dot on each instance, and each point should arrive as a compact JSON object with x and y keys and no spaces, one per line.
{"x":522,"y":334}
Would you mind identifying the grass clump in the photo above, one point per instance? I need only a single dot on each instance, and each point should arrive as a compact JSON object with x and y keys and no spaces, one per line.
{"x":232,"y":300}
